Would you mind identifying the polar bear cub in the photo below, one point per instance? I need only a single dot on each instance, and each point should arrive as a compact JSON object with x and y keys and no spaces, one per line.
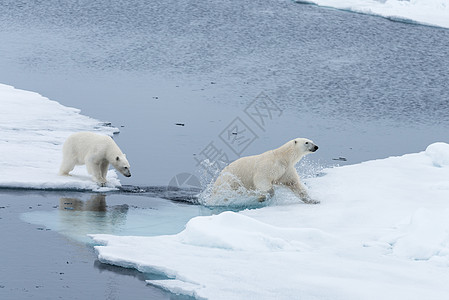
{"x":96,"y":152}
{"x":259,"y":173}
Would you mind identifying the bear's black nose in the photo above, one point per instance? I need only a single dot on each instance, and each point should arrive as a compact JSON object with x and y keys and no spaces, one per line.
{"x":315,"y":148}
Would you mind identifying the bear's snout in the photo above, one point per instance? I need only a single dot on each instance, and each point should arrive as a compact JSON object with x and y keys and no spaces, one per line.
{"x":128,"y":175}
{"x":314,"y":148}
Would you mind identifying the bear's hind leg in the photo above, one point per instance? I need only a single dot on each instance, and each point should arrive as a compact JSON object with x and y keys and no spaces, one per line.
{"x":264,"y":188}
{"x":67,"y":166}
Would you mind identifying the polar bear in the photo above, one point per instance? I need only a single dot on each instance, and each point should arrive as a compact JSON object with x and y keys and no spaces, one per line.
{"x":96,"y":152}
{"x":258,"y":173}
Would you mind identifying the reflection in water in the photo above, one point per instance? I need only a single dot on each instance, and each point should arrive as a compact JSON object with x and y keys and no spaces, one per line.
{"x":95,"y":203}
{"x":91,"y":215}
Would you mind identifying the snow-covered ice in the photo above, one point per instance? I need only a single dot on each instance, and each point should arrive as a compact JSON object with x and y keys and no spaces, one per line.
{"x":33,"y":129}
{"x":427,"y":12}
{"x":380,"y":232}
{"x":438,"y":153}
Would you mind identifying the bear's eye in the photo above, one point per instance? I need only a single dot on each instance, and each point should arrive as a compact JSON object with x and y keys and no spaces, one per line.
{"x":307,"y":143}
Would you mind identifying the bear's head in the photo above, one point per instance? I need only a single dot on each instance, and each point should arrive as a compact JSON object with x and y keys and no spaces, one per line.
{"x":299,"y":147}
{"x":121,"y":164}
{"x":305,"y":146}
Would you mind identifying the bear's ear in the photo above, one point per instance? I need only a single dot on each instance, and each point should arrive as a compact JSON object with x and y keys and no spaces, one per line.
{"x":117,"y":158}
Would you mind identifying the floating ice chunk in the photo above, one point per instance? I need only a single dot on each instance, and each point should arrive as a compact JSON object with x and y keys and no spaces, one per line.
{"x":439,"y":153}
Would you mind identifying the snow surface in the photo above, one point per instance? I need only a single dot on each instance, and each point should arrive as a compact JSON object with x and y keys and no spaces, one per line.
{"x":427,"y":12}
{"x":380,"y":232}
{"x":33,"y":129}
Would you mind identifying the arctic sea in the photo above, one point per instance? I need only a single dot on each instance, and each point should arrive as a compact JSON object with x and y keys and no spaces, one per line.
{"x":174,"y":77}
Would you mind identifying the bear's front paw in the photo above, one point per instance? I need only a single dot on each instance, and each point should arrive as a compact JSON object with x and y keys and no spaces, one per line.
{"x":310,"y":201}
{"x":101,"y":183}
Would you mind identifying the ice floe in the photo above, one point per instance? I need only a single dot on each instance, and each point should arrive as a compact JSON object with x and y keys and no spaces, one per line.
{"x":33,"y":129}
{"x":380,"y":232}
{"x":426,"y":12}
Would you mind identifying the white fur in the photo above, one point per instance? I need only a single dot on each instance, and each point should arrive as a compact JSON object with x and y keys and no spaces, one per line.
{"x":258,"y":173}
{"x":96,"y":152}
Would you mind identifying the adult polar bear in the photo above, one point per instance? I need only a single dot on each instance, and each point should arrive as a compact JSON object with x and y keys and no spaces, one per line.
{"x":96,"y":152}
{"x":258,"y":173}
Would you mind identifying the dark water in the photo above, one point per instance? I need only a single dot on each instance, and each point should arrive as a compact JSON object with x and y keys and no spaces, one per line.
{"x":361,"y":87}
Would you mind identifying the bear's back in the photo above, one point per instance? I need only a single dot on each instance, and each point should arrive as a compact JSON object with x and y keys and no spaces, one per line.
{"x":81,"y":143}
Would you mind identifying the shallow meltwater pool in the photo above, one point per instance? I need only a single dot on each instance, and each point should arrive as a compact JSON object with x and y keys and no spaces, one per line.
{"x":76,"y":216}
